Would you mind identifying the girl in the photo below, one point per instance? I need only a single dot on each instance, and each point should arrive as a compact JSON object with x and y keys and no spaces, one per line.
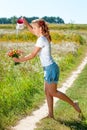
{"x":51,"y":69}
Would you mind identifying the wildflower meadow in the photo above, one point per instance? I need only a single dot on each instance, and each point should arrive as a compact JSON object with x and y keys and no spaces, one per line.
{"x":21,"y":86}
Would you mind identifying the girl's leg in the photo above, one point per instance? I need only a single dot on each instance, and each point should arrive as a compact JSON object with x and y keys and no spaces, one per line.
{"x":49,"y":101}
{"x":52,"y":88}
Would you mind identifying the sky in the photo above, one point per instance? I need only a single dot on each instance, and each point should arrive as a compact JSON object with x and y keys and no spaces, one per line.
{"x":71,"y":11}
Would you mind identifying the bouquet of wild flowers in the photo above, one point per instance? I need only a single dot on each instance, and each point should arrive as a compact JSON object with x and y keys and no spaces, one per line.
{"x":15,"y":53}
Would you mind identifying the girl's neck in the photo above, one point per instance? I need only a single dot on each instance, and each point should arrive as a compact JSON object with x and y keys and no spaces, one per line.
{"x":40,"y":35}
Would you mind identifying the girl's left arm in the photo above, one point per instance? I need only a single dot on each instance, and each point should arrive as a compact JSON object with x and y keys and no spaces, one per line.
{"x":28,"y":57}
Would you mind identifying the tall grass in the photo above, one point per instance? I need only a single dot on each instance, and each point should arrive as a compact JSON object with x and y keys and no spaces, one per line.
{"x":7,"y":26}
{"x":21,"y":86}
{"x":21,"y":90}
{"x":56,"y":37}
{"x":59,"y":37}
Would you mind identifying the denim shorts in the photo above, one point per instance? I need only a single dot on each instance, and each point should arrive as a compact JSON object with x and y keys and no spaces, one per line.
{"x":51,"y":73}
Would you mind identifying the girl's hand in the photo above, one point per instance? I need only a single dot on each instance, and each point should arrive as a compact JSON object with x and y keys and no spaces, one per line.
{"x":16,"y":59}
{"x":25,"y":21}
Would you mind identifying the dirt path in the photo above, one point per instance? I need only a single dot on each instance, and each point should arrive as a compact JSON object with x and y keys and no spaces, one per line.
{"x":29,"y":123}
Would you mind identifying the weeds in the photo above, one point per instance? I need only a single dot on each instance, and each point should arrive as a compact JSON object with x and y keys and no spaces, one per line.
{"x":21,"y":87}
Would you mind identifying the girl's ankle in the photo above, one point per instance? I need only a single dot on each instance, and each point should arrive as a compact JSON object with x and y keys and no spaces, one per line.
{"x":51,"y":116}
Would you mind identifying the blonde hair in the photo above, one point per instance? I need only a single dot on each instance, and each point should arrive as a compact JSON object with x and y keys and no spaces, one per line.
{"x":45,"y":30}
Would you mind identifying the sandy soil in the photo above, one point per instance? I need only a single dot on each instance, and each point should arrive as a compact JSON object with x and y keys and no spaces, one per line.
{"x":29,"y":123}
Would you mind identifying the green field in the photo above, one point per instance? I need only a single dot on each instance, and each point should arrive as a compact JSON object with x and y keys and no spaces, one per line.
{"x":21,"y":86}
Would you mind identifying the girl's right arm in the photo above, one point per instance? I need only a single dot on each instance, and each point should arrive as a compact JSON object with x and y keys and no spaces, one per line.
{"x":28,"y":57}
{"x":28,"y":25}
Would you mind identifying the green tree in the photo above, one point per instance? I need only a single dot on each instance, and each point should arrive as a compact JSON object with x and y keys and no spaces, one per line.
{"x":14,"y":19}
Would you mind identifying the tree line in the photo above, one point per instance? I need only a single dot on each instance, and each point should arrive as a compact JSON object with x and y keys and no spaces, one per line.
{"x":13,"y":20}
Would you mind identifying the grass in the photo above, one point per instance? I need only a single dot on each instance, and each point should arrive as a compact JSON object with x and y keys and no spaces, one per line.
{"x":21,"y":87}
{"x":70,"y":62}
{"x":66,"y":118}
{"x":28,"y":37}
{"x":70,"y":26}
{"x":56,"y":34}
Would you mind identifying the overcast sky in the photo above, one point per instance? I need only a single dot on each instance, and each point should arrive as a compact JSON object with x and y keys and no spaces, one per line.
{"x":71,"y":11}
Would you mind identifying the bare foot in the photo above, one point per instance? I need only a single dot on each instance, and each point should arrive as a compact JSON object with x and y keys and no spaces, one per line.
{"x":48,"y":116}
{"x":76,"y":106}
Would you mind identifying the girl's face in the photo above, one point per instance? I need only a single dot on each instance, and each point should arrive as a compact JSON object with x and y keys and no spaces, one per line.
{"x":37,"y":30}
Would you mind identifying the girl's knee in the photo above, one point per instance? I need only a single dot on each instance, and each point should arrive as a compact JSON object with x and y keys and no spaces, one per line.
{"x":53,"y":93}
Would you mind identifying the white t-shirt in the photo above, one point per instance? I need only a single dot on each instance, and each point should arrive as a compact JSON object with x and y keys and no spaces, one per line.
{"x":45,"y":52}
